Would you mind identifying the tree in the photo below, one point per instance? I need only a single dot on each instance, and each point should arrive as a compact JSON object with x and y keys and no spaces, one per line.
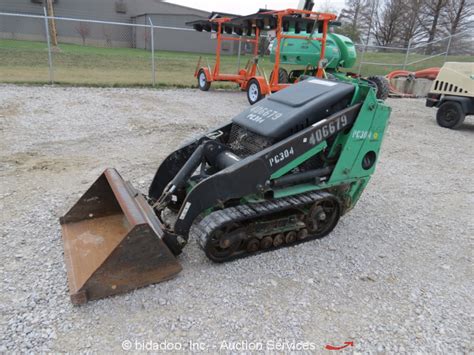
{"x":325,"y":6}
{"x":353,"y":33}
{"x":107,"y":35}
{"x":354,"y":18}
{"x":411,"y":28}
{"x":458,"y":21}
{"x":430,"y":18}
{"x":458,"y":15}
{"x":146,"y":37}
{"x":389,"y":22}
{"x":84,"y":31}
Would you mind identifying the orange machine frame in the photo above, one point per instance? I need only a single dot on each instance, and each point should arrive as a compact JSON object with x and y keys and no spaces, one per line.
{"x":273,"y":85}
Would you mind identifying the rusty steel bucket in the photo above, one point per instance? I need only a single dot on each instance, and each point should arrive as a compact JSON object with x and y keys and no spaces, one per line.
{"x":112,"y":242}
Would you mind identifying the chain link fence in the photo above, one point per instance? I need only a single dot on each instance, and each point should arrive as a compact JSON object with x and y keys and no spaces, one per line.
{"x":23,"y":58}
{"x":102,"y":53}
{"x":376,"y":60}
{"x":75,"y":51}
{"x":41,"y":49}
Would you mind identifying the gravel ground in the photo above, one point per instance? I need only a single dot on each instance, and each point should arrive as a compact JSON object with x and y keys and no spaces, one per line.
{"x":395,"y":275}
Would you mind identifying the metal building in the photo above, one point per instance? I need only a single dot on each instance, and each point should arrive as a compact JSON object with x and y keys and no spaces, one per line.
{"x":129,"y":11}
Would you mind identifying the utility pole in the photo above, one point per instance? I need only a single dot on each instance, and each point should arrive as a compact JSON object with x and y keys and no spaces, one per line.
{"x":52,"y":23}
{"x":375,"y":4}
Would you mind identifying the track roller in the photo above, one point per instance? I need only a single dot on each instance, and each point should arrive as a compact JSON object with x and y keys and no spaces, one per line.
{"x":266,"y":242}
{"x":236,"y":232}
{"x":290,"y":237}
{"x":278,"y":240}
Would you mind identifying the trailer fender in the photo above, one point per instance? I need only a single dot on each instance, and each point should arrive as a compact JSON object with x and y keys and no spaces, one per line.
{"x":206,"y":71}
{"x":264,"y":87}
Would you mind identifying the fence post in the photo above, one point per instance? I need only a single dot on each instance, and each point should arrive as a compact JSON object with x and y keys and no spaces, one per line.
{"x":238,"y":54}
{"x":153,"y":76}
{"x":362,"y":59}
{"x":48,"y":40}
{"x":448,"y":47}
{"x":406,"y":55}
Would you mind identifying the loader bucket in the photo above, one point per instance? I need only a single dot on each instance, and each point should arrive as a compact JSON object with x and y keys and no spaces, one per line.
{"x":112,"y":242}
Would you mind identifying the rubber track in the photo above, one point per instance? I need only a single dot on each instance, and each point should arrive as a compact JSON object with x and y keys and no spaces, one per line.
{"x":218,"y":219}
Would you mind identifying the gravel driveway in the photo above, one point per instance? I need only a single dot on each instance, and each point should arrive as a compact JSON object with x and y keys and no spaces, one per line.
{"x":395,"y":275}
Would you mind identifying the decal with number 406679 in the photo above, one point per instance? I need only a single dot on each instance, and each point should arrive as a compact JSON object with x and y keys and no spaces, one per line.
{"x":328,"y":130}
{"x":297,"y":144}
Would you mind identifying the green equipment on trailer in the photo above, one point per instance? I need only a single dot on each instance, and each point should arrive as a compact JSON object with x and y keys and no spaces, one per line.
{"x":281,"y":172}
{"x":340,"y":53}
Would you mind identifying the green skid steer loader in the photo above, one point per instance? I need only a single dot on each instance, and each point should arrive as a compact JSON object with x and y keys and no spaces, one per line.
{"x":282,"y":172}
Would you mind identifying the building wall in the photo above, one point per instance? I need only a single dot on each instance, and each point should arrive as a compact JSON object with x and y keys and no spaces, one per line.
{"x":22,"y":28}
{"x":161,"y":13}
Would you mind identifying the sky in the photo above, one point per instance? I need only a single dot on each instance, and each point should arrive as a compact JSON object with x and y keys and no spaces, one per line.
{"x":246,"y":7}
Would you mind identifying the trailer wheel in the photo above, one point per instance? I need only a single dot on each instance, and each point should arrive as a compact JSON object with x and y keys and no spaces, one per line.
{"x":304,"y":77}
{"x":382,"y":86}
{"x":450,"y":114}
{"x":203,"y":84}
{"x":282,"y":76}
{"x":330,"y":76}
{"x":254,"y":92}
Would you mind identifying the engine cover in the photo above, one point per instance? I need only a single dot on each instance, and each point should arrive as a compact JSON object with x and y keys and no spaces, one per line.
{"x":295,"y":108}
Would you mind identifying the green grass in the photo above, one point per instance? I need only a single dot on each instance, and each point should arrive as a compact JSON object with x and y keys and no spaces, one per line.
{"x":26,"y":62}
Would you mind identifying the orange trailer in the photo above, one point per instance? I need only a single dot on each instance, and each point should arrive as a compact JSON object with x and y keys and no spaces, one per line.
{"x":221,"y":24}
{"x":280,"y":21}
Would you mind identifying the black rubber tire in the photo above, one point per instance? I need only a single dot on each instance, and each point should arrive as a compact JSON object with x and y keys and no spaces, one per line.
{"x":304,"y":77}
{"x":330,"y":76}
{"x":282,"y":76}
{"x":450,"y":115}
{"x":203,"y":85}
{"x":254,"y":92}
{"x":382,"y":84}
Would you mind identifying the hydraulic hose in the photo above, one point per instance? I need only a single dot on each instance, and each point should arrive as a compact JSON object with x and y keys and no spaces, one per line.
{"x":429,"y":73}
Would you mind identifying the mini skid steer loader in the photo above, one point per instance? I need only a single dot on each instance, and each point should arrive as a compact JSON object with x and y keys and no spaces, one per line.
{"x":280,"y":173}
